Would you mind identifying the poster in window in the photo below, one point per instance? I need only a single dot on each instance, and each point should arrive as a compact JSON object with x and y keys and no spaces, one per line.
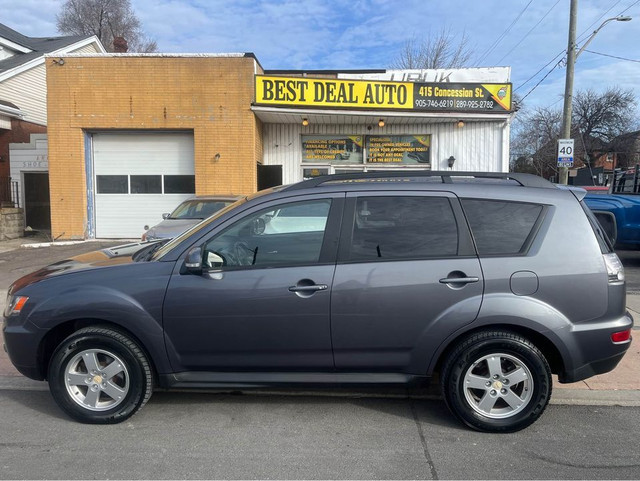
{"x":332,"y":149}
{"x":399,"y":149}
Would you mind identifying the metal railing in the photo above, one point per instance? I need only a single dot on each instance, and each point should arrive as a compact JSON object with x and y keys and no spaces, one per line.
{"x":9,"y":192}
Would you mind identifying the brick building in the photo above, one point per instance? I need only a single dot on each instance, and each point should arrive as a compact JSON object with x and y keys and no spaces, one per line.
{"x":23,"y":113}
{"x":132,"y":135}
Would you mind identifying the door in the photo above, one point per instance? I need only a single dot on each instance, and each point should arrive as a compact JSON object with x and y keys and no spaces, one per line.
{"x":138,"y":177}
{"x":263,"y":301}
{"x":269,"y":176}
{"x":406,"y":269}
{"x":37,"y":205}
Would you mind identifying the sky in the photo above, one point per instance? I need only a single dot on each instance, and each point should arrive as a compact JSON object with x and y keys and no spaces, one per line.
{"x":366,"y":34}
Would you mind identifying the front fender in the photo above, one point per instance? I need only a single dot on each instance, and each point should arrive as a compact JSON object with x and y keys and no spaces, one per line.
{"x":109,"y":305}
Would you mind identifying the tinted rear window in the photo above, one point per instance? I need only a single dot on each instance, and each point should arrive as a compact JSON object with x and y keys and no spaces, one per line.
{"x":500,"y":227}
{"x":403,"y":228}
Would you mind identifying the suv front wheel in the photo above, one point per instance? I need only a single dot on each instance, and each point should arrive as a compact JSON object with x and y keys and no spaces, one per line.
{"x":496,"y":381}
{"x":100,"y":376}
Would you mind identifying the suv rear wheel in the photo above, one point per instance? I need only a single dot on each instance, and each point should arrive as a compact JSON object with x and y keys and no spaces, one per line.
{"x":496,"y":381}
{"x":100,"y":376}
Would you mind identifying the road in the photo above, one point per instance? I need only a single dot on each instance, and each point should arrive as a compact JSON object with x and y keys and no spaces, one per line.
{"x":198,"y":435}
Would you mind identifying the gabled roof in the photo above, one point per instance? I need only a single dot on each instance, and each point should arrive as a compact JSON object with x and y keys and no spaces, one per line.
{"x":30,"y":48}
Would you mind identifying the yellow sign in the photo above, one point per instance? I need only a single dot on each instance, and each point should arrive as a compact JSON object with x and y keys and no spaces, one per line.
{"x":333,"y":93}
{"x":370,"y":94}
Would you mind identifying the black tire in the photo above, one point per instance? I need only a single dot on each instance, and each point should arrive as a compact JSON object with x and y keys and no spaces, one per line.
{"x":511,"y":352}
{"x":100,"y":346}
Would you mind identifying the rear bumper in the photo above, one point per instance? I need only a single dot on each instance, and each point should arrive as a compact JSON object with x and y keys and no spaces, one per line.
{"x":594,"y":368}
{"x":599,"y":354}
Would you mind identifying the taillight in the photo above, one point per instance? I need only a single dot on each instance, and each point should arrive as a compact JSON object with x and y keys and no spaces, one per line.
{"x":622,"y":336}
{"x":615,"y":269}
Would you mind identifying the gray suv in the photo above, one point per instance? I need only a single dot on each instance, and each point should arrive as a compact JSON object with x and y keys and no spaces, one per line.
{"x":491,"y":281}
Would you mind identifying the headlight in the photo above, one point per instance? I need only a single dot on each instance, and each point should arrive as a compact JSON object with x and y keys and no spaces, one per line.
{"x":14,"y":305}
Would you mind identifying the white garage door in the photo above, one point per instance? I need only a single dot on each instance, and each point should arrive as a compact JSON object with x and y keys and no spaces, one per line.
{"x":138,"y":177}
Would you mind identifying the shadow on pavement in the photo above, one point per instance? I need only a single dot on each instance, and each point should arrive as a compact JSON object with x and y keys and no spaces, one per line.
{"x":38,"y":401}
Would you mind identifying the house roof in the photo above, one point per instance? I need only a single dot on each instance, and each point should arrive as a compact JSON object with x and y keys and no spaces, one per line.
{"x":34,"y":47}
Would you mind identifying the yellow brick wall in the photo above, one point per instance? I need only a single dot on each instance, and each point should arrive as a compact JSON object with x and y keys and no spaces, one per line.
{"x":210,"y":96}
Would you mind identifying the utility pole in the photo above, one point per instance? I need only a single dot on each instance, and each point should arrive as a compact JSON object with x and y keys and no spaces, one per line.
{"x":563,"y":172}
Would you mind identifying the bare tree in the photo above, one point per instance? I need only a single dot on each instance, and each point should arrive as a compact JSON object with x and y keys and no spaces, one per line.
{"x":534,"y":139}
{"x":106,"y":19}
{"x":442,"y":50}
{"x":600,"y":118}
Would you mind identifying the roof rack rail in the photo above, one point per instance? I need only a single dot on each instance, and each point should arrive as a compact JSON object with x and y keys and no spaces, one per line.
{"x":525,"y":180}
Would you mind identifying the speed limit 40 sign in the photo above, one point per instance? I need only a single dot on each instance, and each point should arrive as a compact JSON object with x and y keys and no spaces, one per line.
{"x":565,"y":153}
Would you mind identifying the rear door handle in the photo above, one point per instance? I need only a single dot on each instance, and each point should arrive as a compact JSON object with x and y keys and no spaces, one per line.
{"x":459,"y":280}
{"x":312,"y":288}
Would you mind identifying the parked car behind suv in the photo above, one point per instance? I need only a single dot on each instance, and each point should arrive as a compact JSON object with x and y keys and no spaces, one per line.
{"x":493,"y":281}
{"x":618,"y":210}
{"x":186,"y":215}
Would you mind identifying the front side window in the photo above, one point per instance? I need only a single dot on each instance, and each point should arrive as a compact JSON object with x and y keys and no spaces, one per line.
{"x":286,"y":235}
{"x":403,"y":227}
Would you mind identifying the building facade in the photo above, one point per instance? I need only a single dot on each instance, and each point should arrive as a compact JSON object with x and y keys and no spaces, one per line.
{"x":131,"y":135}
{"x":23,"y":113}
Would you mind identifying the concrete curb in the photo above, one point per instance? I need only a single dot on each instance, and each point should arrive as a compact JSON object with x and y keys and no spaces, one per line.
{"x":583,"y":397}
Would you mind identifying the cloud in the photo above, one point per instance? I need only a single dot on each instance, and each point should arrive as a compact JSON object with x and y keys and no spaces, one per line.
{"x":367,"y":34}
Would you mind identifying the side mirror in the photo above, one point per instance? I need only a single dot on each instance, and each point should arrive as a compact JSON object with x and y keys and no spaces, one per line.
{"x":165,"y":215}
{"x":193,"y":262}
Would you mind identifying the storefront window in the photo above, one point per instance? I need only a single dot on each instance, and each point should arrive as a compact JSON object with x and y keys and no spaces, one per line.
{"x":399,"y":149}
{"x":332,"y":149}
{"x":312,"y":172}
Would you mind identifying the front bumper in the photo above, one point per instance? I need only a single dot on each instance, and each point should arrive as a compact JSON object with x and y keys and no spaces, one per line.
{"x":21,"y":341}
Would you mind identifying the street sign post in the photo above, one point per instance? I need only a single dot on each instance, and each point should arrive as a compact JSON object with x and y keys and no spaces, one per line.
{"x":565,"y":153}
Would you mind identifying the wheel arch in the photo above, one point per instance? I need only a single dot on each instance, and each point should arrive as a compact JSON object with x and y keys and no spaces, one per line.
{"x":549,"y":350}
{"x":60,"y":332}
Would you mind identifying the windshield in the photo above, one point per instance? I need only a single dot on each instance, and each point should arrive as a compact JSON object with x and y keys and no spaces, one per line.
{"x":199,"y":209}
{"x":201,"y":225}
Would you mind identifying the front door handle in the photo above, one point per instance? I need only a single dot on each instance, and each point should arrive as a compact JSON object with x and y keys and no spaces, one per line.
{"x":459,"y":280}
{"x":312,"y":288}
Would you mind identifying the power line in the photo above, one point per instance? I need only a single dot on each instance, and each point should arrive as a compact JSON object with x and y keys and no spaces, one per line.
{"x":527,"y":34}
{"x":541,"y":80}
{"x":613,"y":56}
{"x":588,"y":29}
{"x":563,"y":51}
{"x":536,"y":74}
{"x":499,"y":39}
{"x":633,"y":4}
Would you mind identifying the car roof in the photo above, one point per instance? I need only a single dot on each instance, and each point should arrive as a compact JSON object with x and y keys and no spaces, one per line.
{"x":421,"y":179}
{"x":216,"y":197}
